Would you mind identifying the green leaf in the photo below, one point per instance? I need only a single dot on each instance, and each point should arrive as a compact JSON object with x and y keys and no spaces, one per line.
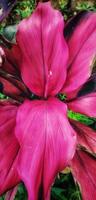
{"x":79,"y":117}
{"x":9,"y":32}
{"x":58,"y":193}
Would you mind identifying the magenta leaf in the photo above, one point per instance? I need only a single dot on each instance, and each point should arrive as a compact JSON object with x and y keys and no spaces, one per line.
{"x":85,"y":105}
{"x":46,"y":52}
{"x":84,"y":162}
{"x":84,"y":170}
{"x":10,"y":79}
{"x":73,"y":24}
{"x":10,"y":195}
{"x":86,"y":136}
{"x":81,"y":59}
{"x":88,"y":87}
{"x":8,"y":147}
{"x":47,"y":144}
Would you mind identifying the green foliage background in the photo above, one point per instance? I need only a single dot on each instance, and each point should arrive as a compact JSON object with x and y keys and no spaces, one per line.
{"x":64,"y":188}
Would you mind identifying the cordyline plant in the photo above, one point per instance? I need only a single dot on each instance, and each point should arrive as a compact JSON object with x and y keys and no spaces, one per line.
{"x":36,"y":138}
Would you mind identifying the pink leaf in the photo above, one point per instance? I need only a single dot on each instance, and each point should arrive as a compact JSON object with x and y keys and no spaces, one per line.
{"x":8,"y":147}
{"x":84,"y":170}
{"x":44,"y":51}
{"x":84,"y":105}
{"x":47,"y":144}
{"x":85,"y":135}
{"x":11,"y":194}
{"x":12,"y":84}
{"x":82,"y":50}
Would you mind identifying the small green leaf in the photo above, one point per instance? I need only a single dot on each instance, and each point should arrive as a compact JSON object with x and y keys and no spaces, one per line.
{"x":9,"y":32}
{"x":79,"y":117}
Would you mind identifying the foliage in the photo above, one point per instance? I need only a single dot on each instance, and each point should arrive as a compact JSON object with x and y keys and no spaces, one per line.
{"x":85,"y":6}
{"x":59,"y":191}
{"x":64,"y":187}
{"x":2,"y":96}
{"x":22,"y":10}
{"x":81,"y":118}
